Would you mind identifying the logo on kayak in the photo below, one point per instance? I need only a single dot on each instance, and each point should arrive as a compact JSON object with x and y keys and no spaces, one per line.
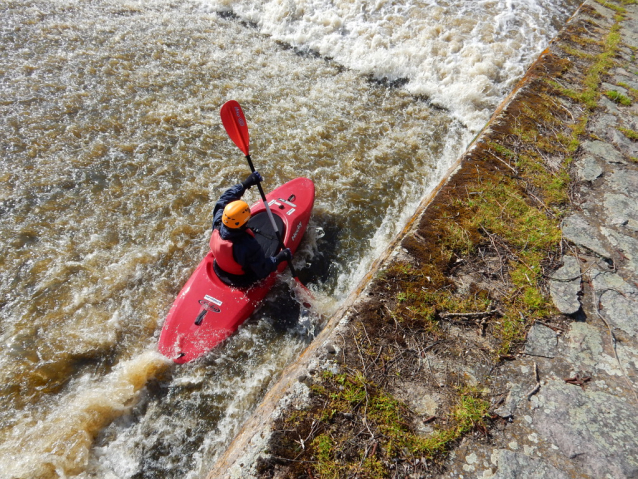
{"x":206,"y":306}
{"x":292,"y":205}
{"x":213,"y":300}
{"x":294,"y":236}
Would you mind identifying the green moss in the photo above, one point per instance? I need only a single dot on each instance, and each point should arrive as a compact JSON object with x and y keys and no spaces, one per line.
{"x":632,"y":91}
{"x":568,"y":92}
{"x":373,"y":467}
{"x":326,"y":465}
{"x":502,"y":150}
{"x":601,"y":63}
{"x":503,"y":210}
{"x":510,"y":330}
{"x":631,"y":134}
{"x":556,"y":189}
{"x":470,"y":411}
{"x":578,"y":53}
{"x":388,"y":419}
{"x":618,"y":97}
{"x":534,"y":300}
{"x":426,"y":304}
{"x":578,"y":129}
{"x":457,"y":239}
{"x":611,"y":5}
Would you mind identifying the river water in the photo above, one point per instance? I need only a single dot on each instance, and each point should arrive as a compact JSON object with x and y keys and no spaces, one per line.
{"x":113,"y":155}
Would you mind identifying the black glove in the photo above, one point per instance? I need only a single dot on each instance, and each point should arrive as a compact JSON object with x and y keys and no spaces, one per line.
{"x":284,"y":255}
{"x":252,"y":180}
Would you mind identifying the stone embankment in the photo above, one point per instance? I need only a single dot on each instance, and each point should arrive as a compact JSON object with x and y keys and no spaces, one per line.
{"x":582,"y":418}
{"x":499,"y":338}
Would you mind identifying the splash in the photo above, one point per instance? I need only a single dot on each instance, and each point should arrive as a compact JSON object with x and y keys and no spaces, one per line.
{"x":58,"y":444}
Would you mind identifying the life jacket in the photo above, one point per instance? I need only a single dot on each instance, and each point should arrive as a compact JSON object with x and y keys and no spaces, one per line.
{"x":223,"y":251}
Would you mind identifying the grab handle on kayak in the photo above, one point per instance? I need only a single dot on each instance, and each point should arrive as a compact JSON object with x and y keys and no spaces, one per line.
{"x":206,"y":307}
{"x":200,"y":317}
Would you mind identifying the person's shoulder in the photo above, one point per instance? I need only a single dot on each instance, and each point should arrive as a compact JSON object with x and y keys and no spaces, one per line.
{"x":236,"y":236}
{"x":248,"y":241}
{"x":248,"y":237}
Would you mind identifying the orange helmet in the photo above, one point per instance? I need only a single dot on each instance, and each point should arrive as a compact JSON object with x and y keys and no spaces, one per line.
{"x":236,"y":214}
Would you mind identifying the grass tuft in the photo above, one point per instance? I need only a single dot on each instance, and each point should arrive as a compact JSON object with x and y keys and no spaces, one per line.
{"x":618,"y":97}
{"x":631,"y":134}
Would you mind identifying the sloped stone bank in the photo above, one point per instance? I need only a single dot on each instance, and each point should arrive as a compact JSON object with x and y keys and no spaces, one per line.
{"x":498,"y":339}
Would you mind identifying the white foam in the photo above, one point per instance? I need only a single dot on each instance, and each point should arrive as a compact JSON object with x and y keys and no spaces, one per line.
{"x":464,"y":56}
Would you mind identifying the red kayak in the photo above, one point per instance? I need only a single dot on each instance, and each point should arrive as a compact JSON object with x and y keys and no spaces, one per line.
{"x":208,"y":311}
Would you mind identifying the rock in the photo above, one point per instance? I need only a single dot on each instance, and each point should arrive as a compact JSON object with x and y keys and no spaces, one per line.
{"x":297,"y":397}
{"x":618,"y":300}
{"x":609,"y":106}
{"x":588,"y":169}
{"x":623,"y":181}
{"x":622,"y":210}
{"x":541,"y":341}
{"x":586,"y":350}
{"x":419,"y":398}
{"x":603,"y":151}
{"x":514,"y":397}
{"x":630,"y":38}
{"x":596,"y":431}
{"x":622,"y":72}
{"x":604,"y":125}
{"x":620,"y":140}
{"x":627,"y":246}
{"x":628,"y":80}
{"x":518,"y":465}
{"x":565,"y":286}
{"x":610,"y":87}
{"x":603,"y":12}
{"x":585,"y":346}
{"x":577,"y":230}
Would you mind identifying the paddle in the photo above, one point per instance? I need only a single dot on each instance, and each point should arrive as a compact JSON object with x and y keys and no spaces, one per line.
{"x":235,"y":124}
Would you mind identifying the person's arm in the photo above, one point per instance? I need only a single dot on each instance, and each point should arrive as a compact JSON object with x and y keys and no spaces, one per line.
{"x":251,"y":256}
{"x":233,"y":194}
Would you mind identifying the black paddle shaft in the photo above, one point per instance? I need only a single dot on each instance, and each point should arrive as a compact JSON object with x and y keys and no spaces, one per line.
{"x":272,"y":220}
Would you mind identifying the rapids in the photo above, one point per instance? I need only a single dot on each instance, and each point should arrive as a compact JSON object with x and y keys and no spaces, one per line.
{"x":113,"y":155}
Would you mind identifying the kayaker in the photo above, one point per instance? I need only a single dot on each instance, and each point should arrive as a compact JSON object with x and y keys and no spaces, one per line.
{"x":239,"y":258}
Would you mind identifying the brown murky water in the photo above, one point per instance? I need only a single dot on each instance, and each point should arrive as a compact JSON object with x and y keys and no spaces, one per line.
{"x":113,"y":155}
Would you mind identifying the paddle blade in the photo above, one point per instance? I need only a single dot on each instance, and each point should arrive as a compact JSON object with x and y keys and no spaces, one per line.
{"x":304,"y":294}
{"x":234,"y":121}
